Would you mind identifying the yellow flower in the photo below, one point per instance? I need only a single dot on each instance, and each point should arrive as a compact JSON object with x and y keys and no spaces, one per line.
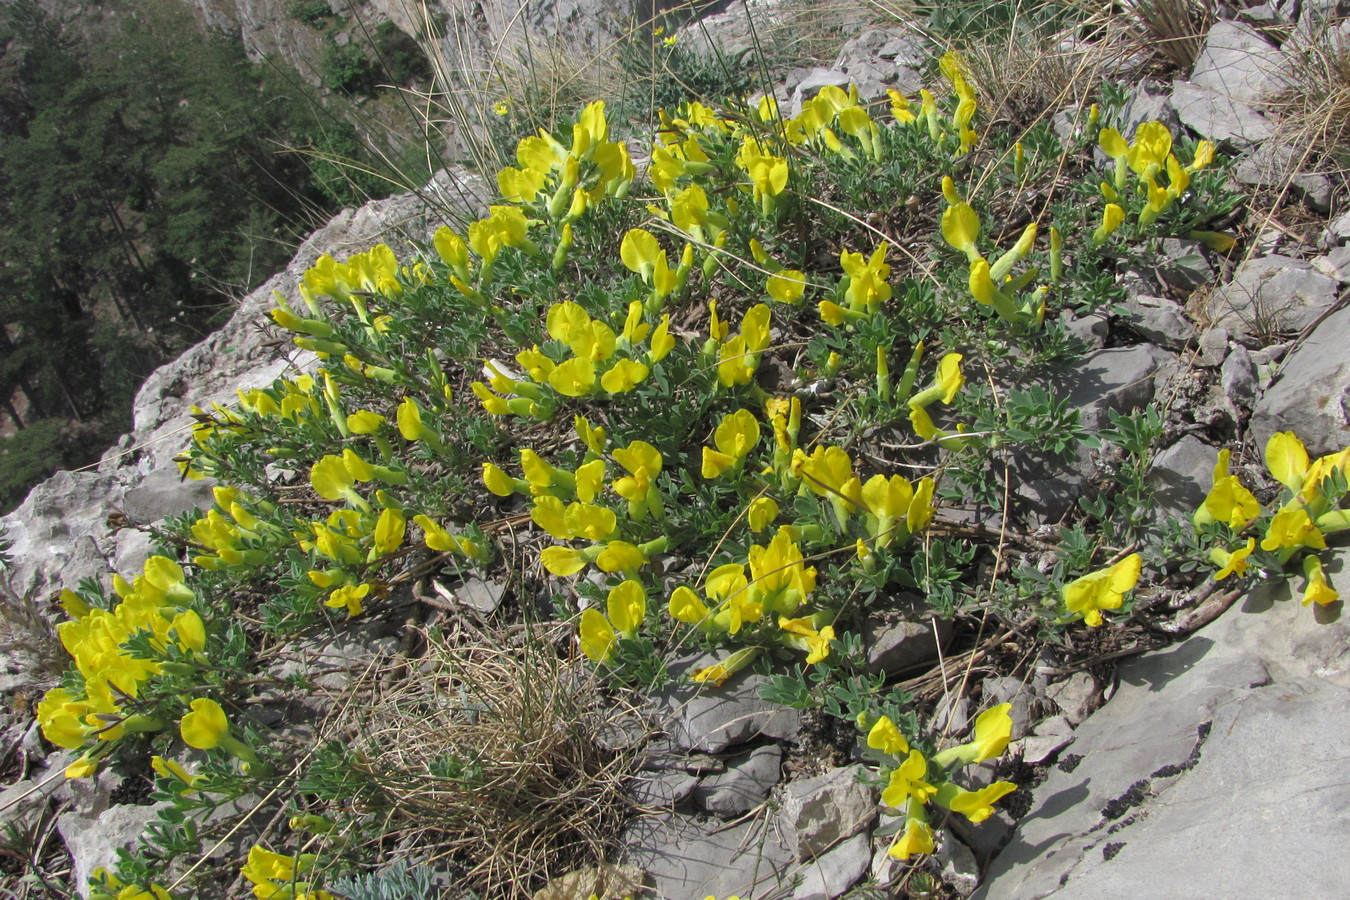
{"x":761,"y":513}
{"x":974,"y":805}
{"x":627,"y":606}
{"x":1086,"y":597}
{"x":597,"y":636}
{"x":906,"y":783}
{"x":915,"y":839}
{"x":1292,"y":528}
{"x":348,"y":597}
{"x":786,"y":286}
{"x":884,"y":736}
{"x":685,"y":606}
{"x":736,"y":435}
{"x":718,"y":673}
{"x":205,"y":726}
{"x":1287,"y":459}
{"x":1234,"y":563}
{"x":1227,"y":501}
{"x":961,"y":229}
{"x":993,"y":731}
{"x":1317,"y":591}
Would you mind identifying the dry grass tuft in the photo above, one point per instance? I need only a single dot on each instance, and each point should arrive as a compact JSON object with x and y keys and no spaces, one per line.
{"x":1314,"y":112}
{"x":1173,"y":29}
{"x":1023,"y":76}
{"x":489,"y":757}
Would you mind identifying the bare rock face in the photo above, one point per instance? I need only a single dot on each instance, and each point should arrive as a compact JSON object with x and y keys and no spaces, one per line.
{"x":64,"y":530}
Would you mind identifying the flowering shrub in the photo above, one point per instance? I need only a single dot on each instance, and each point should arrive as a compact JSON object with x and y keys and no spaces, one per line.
{"x":620,"y":388}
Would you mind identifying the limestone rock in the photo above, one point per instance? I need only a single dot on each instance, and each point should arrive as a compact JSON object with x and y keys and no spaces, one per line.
{"x":1181,"y":475}
{"x":1076,"y":696}
{"x":1051,"y":736}
{"x":831,"y":874}
{"x":689,"y":857}
{"x":710,"y":719}
{"x":59,"y":534}
{"x":94,"y":841}
{"x":819,"y":812}
{"x":1272,"y":295}
{"x":666,"y":789}
{"x":744,"y":785}
{"x":1217,"y":116}
{"x":1274,"y":165}
{"x":1311,"y":394}
{"x":1148,"y":102}
{"x":1239,"y":62}
{"x":1183,"y":264}
{"x":1148,"y":794}
{"x":898,"y":645}
{"x":1335,"y":264}
{"x":1160,"y":320}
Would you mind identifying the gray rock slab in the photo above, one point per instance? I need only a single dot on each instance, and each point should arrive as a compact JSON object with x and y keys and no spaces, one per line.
{"x":1120,"y":378}
{"x":1148,"y":102}
{"x":1275,"y":165}
{"x":897,"y":644}
{"x":164,"y":493}
{"x":1217,"y":116}
{"x":1335,"y":264}
{"x":1218,"y":761}
{"x":710,"y":719}
{"x":59,"y":534}
{"x":817,"y":813}
{"x":1311,"y":392}
{"x":1160,"y":320}
{"x":686,"y":856}
{"x":744,"y":785}
{"x":666,"y":789}
{"x":1272,"y":295}
{"x":1076,"y":696}
{"x":831,"y":874}
{"x":1237,"y":376}
{"x":94,"y":841}
{"x":1212,"y":347}
{"x":1238,"y":61}
{"x":1051,"y":736}
{"x":1183,"y":264}
{"x":1181,"y":475}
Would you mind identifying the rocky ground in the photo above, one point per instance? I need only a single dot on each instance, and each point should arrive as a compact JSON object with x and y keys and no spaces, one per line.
{"x":1207,"y":767}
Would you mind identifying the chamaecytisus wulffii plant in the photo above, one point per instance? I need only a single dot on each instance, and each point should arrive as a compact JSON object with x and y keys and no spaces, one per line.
{"x":702,"y":409}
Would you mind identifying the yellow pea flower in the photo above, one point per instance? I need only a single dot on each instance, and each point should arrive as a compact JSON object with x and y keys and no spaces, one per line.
{"x":736,"y":435}
{"x":1317,"y":590}
{"x":906,"y":783}
{"x":685,"y":606}
{"x":718,"y":673}
{"x":974,"y":805}
{"x":1086,"y":597}
{"x":961,"y":229}
{"x":1112,"y":217}
{"x":627,"y":606}
{"x":205,"y":726}
{"x":348,"y":597}
{"x":993,"y":731}
{"x":786,"y":286}
{"x":761,"y":513}
{"x":1290,"y":529}
{"x":1234,"y":563}
{"x":916,"y":839}
{"x":623,"y":376}
{"x":596,"y":636}
{"x":1287,"y":459}
{"x":884,"y":736}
